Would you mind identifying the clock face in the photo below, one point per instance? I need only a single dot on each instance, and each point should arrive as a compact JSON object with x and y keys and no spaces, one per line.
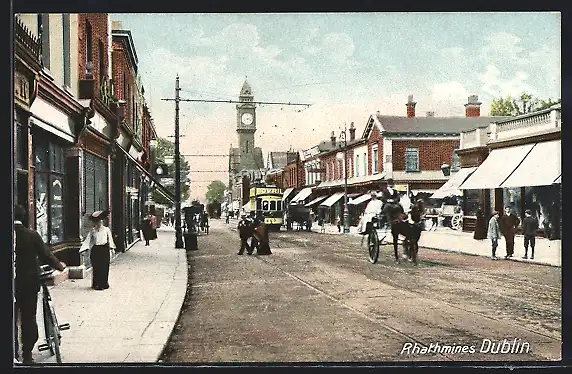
{"x":247,"y":118}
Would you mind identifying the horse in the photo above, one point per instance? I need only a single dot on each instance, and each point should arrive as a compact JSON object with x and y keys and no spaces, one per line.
{"x":397,"y":219}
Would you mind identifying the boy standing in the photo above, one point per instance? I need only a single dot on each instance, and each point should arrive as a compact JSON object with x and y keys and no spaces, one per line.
{"x":529,"y":228}
{"x":494,"y":233}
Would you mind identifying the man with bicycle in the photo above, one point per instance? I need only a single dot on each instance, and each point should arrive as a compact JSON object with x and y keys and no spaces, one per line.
{"x":29,"y":249}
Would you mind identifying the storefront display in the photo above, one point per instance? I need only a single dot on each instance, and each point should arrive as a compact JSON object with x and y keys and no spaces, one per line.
{"x":512,"y":198}
{"x":472,"y":202}
{"x":541,"y":200}
{"x":49,"y":182}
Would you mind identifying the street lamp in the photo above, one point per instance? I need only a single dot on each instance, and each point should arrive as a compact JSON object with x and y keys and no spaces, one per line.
{"x":343,"y":138}
{"x":446,"y":169}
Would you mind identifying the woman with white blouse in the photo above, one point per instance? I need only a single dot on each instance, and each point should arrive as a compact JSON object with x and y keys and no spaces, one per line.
{"x":100,"y":241}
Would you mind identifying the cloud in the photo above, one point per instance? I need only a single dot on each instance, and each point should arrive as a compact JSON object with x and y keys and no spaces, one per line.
{"x":496,"y":86}
{"x":503,"y":48}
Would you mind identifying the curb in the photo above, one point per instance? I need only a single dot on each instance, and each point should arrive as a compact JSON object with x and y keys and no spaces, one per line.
{"x":172,"y":328}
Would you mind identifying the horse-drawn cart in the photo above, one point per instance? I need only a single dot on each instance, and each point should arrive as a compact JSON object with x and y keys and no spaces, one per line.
{"x":299,"y":214}
{"x":452,"y":217}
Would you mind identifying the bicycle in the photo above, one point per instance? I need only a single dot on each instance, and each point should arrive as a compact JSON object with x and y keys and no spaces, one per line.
{"x":51,"y":327}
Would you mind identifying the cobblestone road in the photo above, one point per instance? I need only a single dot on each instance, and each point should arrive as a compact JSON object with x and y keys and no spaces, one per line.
{"x":318,"y":299}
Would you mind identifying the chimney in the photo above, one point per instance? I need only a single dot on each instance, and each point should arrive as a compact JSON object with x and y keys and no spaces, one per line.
{"x":352,"y":132}
{"x":430,"y":114}
{"x":333,"y":139}
{"x":473,"y":107}
{"x":410,"y":107}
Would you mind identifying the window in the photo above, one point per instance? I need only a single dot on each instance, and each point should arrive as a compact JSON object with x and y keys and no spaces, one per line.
{"x":49,"y":181}
{"x":265,"y":205}
{"x":279,"y":205}
{"x":88,"y":48}
{"x":246,"y":148}
{"x":124,"y":86}
{"x":374,"y":163}
{"x":340,"y":169}
{"x":66,"y":49}
{"x":44,"y":32}
{"x":101,"y":53}
{"x":273,"y":205}
{"x":411,"y":159}
{"x":364,"y":163}
{"x":21,"y":147}
{"x":455,"y":164}
{"x":357,"y":166}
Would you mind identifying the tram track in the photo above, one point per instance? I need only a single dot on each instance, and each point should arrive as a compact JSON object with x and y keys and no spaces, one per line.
{"x":405,"y":271}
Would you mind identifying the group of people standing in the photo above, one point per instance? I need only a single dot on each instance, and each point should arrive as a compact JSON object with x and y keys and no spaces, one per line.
{"x":253,"y":234}
{"x":507,"y":226}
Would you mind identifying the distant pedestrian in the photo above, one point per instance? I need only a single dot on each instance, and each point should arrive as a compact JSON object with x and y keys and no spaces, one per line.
{"x":508,"y":224}
{"x":100,"y":242}
{"x":339,"y":224}
{"x":494,"y":233}
{"x":480,"y":226}
{"x":147,"y":228}
{"x":172,"y":218}
{"x":529,"y":229}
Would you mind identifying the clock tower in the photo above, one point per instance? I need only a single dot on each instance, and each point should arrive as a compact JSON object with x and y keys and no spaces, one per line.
{"x":246,"y":127}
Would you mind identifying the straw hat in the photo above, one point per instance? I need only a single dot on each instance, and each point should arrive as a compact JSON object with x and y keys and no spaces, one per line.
{"x":99,"y":215}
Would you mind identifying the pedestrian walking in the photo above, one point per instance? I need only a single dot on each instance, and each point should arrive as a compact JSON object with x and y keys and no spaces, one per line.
{"x":508,"y":224}
{"x":245,"y":232}
{"x":529,"y":229}
{"x":147,"y":228}
{"x":494,"y":233}
{"x":100,"y":242}
{"x":29,"y":248}
{"x":339,"y":224}
{"x":480,"y":226}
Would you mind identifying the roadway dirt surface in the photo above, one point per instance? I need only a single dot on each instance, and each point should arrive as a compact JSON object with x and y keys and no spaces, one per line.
{"x":318,"y":299}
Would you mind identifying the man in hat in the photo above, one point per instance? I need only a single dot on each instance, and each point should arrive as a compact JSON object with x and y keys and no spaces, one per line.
{"x":529,"y":229}
{"x":100,"y":241}
{"x":29,"y":249}
{"x":508,"y":225}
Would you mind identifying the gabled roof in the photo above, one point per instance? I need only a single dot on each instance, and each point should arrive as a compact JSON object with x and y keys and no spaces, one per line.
{"x":427,"y":125}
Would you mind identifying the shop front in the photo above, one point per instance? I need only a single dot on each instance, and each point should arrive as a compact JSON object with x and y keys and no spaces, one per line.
{"x":525,"y":176}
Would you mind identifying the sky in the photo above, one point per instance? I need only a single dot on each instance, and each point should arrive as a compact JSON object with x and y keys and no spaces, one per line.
{"x":347,"y":65}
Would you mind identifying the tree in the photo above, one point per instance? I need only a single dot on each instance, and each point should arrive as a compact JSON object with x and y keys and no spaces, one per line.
{"x":166,"y":148}
{"x":525,"y":103}
{"x":215,"y":191}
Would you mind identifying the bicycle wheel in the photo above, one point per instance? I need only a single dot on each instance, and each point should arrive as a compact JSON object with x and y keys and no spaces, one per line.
{"x":55,"y":335}
{"x":373,"y":246}
{"x":46,"y":314}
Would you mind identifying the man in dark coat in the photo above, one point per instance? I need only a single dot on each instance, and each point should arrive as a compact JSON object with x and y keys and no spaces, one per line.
{"x":245,"y":231}
{"x":29,"y":249}
{"x":480,"y":226}
{"x":529,"y":229}
{"x":508,"y":224}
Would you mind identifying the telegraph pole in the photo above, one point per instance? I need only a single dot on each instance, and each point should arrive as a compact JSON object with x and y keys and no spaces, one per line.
{"x":178,"y":231}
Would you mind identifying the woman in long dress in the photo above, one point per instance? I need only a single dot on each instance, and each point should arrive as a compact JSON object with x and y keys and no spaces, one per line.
{"x":100,"y":242}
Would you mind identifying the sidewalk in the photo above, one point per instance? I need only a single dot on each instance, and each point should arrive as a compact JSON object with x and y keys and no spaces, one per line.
{"x":546,"y":252}
{"x":133,"y":319}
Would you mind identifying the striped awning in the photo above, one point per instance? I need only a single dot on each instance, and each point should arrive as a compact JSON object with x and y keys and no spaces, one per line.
{"x":316,"y":200}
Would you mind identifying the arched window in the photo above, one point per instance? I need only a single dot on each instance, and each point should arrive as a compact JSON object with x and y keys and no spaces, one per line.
{"x":246,"y":148}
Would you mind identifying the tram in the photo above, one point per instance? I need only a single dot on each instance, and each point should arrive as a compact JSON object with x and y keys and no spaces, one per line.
{"x":268,"y":200}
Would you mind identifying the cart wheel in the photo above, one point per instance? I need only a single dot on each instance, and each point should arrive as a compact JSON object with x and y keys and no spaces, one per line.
{"x":457,"y":222}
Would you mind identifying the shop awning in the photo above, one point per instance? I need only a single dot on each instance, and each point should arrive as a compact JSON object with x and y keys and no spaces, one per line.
{"x":315,"y":201}
{"x":287,"y":192}
{"x":162,"y":190}
{"x":541,"y":167}
{"x":415,"y":192}
{"x":302,"y":195}
{"x":558,"y":180}
{"x":246,"y":207}
{"x":451,"y":187}
{"x":332,"y":199}
{"x":361,"y":199}
{"x":496,"y":168}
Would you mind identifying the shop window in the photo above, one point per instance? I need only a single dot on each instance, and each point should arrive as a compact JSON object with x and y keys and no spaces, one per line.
{"x":49,"y":181}
{"x":21,"y":148}
{"x":541,"y":200}
{"x":472,"y":202}
{"x":511,"y":198}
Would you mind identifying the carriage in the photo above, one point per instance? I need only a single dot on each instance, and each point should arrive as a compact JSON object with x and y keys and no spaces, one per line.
{"x":300,"y":215}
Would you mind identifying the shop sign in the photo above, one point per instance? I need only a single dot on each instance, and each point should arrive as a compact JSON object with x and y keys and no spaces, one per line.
{"x":21,"y":88}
